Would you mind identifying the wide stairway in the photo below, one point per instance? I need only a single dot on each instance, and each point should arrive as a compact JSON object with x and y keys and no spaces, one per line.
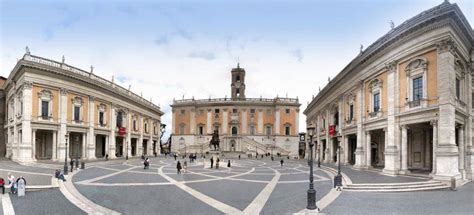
{"x":413,"y":186}
{"x":397,"y":187}
{"x":262,"y":148}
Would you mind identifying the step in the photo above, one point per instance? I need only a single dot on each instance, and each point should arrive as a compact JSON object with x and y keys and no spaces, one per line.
{"x":441,"y":187}
{"x":394,"y":187}
{"x":394,"y":184}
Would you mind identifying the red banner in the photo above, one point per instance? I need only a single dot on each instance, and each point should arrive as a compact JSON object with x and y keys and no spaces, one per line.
{"x":332,"y":129}
{"x":122,"y":131}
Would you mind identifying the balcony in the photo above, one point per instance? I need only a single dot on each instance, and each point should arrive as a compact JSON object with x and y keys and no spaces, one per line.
{"x":374,"y":114}
{"x":415,"y":103}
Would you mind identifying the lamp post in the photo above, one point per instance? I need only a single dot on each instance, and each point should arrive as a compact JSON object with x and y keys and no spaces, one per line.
{"x":66,"y":136}
{"x":273,"y":147}
{"x":126,"y":156}
{"x":338,"y":177}
{"x":311,"y":191}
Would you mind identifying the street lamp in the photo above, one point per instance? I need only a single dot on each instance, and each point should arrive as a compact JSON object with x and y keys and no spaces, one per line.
{"x":311,"y":191}
{"x":66,"y":136}
{"x":273,"y":147}
{"x":338,"y":177}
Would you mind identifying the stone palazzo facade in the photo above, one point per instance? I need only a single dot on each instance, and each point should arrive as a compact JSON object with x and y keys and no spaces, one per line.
{"x":46,"y":99}
{"x":245,"y":125}
{"x":404,"y":104}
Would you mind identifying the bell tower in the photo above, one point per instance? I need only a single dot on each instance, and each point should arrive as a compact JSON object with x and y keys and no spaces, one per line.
{"x":238,"y":83}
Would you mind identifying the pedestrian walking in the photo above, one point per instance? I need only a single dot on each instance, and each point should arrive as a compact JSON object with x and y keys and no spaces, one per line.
{"x":178,"y":167}
{"x":239,"y":157}
{"x":72,"y":164}
{"x":217,"y":163}
{"x":281,"y":162}
{"x":228,"y":166}
{"x":175,"y":156}
{"x":212,"y":162}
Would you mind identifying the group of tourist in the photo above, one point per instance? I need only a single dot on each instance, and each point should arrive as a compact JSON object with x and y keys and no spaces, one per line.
{"x":146,"y":162}
{"x":17,"y":186}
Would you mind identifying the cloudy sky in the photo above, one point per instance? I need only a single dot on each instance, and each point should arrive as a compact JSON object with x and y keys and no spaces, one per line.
{"x":168,"y":49}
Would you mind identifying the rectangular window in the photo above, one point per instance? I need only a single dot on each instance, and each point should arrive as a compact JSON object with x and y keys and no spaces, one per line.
{"x":458,"y":89}
{"x":351,"y":112}
{"x":216,"y":110}
{"x":201,"y":130}
{"x":45,"y":109}
{"x":119,"y":119}
{"x":183,"y":112}
{"x":134,"y":125}
{"x":287,"y":111}
{"x":101,"y":118}
{"x":376,"y":102}
{"x":252,"y":110}
{"x":287,"y":130}
{"x":77,"y":112}
{"x":417,"y":88}
{"x":336,"y":118}
{"x":252,"y":130}
{"x":146,"y":128}
{"x":269,"y":130}
{"x":234,"y":110}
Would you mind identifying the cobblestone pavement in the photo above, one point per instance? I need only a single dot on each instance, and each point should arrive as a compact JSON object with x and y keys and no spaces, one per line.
{"x":427,"y":202}
{"x":251,"y":186}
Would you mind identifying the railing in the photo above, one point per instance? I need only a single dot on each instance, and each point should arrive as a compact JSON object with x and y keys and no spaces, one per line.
{"x":414,"y":103}
{"x":90,"y":75}
{"x":374,"y":114}
{"x":229,"y":100}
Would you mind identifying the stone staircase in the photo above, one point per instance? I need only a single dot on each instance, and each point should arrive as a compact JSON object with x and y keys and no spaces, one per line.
{"x":397,"y":187}
{"x":263,"y":147}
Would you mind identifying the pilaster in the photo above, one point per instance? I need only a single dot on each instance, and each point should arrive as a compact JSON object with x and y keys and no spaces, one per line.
{"x":360,"y":161}
{"x":111,"y":139}
{"x":25,"y":147}
{"x":62,"y":123}
{"x":90,"y":132}
{"x":391,"y":149}
{"x":446,"y":152}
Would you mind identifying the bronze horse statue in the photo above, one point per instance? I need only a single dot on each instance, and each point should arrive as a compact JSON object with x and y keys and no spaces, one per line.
{"x":215,"y":140}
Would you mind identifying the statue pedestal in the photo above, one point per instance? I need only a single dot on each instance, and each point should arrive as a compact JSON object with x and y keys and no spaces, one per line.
{"x":214,"y":154}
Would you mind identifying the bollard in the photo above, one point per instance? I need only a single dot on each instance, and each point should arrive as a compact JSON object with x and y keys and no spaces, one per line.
{"x":453,"y":184}
{"x":83,"y":165}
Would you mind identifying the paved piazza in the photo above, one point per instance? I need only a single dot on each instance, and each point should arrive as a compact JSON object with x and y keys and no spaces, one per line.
{"x":249,"y":186}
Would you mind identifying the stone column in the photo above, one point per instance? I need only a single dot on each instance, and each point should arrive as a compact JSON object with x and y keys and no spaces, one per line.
{"x":461,"y":150}
{"x":208,"y":122}
{"x":62,"y":124}
{"x":360,"y":161}
{"x":111,"y":138}
{"x":55,"y":145}
{"x":90,"y":133}
{"x":346,"y":150}
{"x":469,"y":148}
{"x":192,"y":123}
{"x":25,"y":147}
{"x":225,"y":121}
{"x":434,"y":123}
{"x":140,"y":149}
{"x":404,"y":169}
{"x":277,"y":121}
{"x":244,"y":124}
{"x":391,"y":150}
{"x":33,"y":144}
{"x":84,"y":146}
{"x":128,"y":138}
{"x":447,"y":152}
{"x":368,"y":148}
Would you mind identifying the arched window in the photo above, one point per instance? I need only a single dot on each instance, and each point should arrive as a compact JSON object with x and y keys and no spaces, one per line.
{"x":234,"y":130}
{"x":102,"y":109}
{"x":287,"y":129}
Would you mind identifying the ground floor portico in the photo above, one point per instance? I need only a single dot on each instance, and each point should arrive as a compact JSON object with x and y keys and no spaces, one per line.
{"x":47,"y":142}
{"x":412,"y":145}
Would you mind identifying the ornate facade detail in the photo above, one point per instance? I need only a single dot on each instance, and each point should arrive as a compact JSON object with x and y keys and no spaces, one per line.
{"x":391,"y":66}
{"x":446,"y":45}
{"x":375,"y":83}
{"x":27,"y":85}
{"x":45,"y":94}
{"x":415,"y":64}
{"x":64,"y":91}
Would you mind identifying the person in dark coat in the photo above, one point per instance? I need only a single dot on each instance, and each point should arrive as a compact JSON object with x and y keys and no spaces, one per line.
{"x":281,"y":162}
{"x":72,"y":164}
{"x":239,"y":157}
{"x":217,"y":163}
{"x":228,"y":163}
{"x":178,"y":167}
{"x":175,"y":156}
{"x":212,"y":162}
